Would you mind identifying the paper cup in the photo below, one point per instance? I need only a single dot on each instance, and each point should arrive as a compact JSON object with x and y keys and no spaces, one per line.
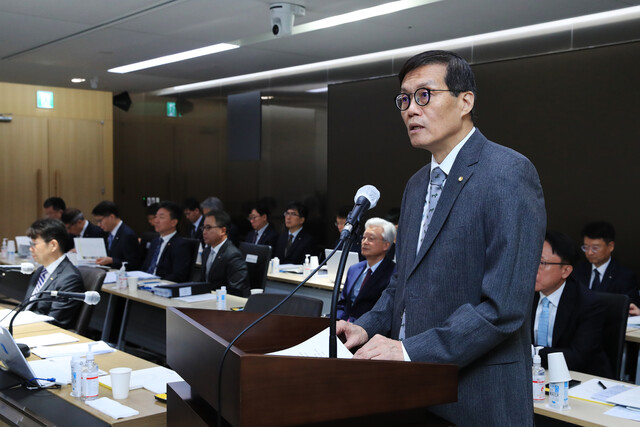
{"x":558,"y":371}
{"x":120,"y":380}
{"x":314,"y":262}
{"x":133,"y":283}
{"x":256,"y":291}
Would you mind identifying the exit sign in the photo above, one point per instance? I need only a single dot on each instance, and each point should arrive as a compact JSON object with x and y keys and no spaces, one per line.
{"x":44,"y":99}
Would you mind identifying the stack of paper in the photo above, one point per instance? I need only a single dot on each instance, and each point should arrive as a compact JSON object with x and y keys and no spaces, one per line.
{"x":100,"y":347}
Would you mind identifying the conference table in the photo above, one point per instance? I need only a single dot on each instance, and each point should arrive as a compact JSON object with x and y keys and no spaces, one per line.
{"x":320,"y":287}
{"x":40,"y":403}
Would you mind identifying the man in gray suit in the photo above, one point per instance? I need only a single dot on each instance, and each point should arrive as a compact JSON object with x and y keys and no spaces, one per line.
{"x":468,"y":248}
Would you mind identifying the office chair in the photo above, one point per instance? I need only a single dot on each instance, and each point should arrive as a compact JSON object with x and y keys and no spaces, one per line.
{"x":615,"y":328}
{"x":93,"y":278}
{"x":295,"y":306}
{"x":257,"y":258}
{"x":194,"y":245}
{"x":13,"y":285}
{"x":145,"y":240}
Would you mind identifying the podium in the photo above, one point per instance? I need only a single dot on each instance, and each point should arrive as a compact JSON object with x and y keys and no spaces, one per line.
{"x":260,"y":390}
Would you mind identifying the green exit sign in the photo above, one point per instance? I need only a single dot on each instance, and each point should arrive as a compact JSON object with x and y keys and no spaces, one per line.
{"x":172,"y":111}
{"x":44,"y":99}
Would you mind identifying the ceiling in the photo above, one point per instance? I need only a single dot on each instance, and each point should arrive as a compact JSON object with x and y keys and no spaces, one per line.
{"x":49,"y":42}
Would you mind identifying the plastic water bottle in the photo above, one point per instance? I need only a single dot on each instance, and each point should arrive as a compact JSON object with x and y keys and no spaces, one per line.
{"x":122,"y":277}
{"x":538,"y":375}
{"x":76,"y":376}
{"x":275,"y":265}
{"x":307,"y":265}
{"x":90,"y":382}
{"x":4,"y":248}
{"x":222,"y":298}
{"x":11,"y":251}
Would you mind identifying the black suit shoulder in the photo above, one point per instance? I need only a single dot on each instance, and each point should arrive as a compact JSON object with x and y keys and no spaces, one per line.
{"x":125,"y":247}
{"x":617,"y":279}
{"x":175,"y":261}
{"x":228,"y":269}
{"x":303,"y":244}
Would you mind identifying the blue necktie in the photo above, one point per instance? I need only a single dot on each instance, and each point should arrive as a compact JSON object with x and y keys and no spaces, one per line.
{"x":437,"y":180}
{"x":109,"y":241}
{"x":595,"y":285}
{"x":543,"y":323}
{"x":154,"y":260}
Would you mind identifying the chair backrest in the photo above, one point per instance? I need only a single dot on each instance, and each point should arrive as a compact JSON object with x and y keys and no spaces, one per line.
{"x":14,"y":284}
{"x":145,"y":240}
{"x":93,"y":279}
{"x":297,"y":305}
{"x":615,"y":328}
{"x":257,"y":258}
{"x":194,"y":245}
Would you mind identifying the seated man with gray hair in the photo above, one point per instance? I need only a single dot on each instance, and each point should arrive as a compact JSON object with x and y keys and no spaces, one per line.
{"x":367,"y":279}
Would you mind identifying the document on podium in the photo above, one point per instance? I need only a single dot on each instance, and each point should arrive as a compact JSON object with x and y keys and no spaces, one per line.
{"x":316,"y":346}
{"x":89,"y":249}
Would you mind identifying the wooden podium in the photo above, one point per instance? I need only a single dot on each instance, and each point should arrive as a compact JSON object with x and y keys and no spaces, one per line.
{"x":259,"y":390}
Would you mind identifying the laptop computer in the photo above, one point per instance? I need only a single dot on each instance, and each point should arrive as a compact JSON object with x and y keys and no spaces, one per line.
{"x":12,"y":359}
{"x":332,"y":264}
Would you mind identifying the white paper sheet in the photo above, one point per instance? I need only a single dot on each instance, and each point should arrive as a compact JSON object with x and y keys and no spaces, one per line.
{"x":23,"y":318}
{"x":196,"y":298}
{"x":48,"y":339}
{"x":112,"y":408}
{"x":628,"y":398}
{"x":622,"y":412}
{"x":316,"y":346}
{"x":100,"y":347}
{"x":88,"y":249}
{"x":633,"y":321}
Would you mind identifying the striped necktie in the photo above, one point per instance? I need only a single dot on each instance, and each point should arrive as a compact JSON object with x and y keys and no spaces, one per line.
{"x":41,"y":281}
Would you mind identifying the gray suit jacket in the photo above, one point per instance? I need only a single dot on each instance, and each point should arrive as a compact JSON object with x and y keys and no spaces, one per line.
{"x":65,"y":278}
{"x":468,"y":292}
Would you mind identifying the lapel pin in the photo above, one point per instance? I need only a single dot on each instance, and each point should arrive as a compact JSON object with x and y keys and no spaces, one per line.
{"x":460,"y":179}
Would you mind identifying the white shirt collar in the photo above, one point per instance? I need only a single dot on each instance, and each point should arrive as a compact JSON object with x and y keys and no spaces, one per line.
{"x":448,"y":161}
{"x":116,"y":228}
{"x":217,"y":248}
{"x":602,"y":268}
{"x":374,"y":266}
{"x":52,"y":267}
{"x":554,"y":298}
{"x":86,"y":224}
{"x":295,"y":234}
{"x":197,"y":223}
{"x":168,"y":236}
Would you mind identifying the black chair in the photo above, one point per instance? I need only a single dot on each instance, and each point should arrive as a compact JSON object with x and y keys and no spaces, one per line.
{"x":295,"y":306}
{"x":257,"y":258}
{"x":93,"y":279}
{"x":14,"y":284}
{"x":145,"y":241}
{"x":615,"y":328}
{"x":194,"y":245}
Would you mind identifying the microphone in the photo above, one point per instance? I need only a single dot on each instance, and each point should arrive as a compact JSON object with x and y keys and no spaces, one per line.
{"x":24,"y":268}
{"x":89,"y":297}
{"x":366,"y":198}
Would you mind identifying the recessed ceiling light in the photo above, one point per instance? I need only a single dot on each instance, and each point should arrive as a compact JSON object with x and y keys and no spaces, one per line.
{"x":78,"y":80}
{"x":176,"y":57}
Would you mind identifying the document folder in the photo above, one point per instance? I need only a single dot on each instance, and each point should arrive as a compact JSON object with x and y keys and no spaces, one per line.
{"x":182,"y":289}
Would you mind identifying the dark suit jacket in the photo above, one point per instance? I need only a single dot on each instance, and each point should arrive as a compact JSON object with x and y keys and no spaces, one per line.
{"x":197,"y":233}
{"x":302,"y":245}
{"x":617,"y":279}
{"x":269,"y":237}
{"x":578,"y":331}
{"x":468,"y":290}
{"x":125,"y":248}
{"x":369,"y":294}
{"x":228,"y":269}
{"x":175,"y":262}
{"x":95,"y":231}
{"x":65,"y":278}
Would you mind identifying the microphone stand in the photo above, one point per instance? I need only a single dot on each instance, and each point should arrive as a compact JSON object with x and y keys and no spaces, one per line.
{"x":333,"y":345}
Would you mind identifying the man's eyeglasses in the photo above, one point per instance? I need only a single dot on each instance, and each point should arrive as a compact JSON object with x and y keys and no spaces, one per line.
{"x":592,"y":249}
{"x":422,"y":97}
{"x":291,"y":214}
{"x":210,"y":227}
{"x":372,"y":239}
{"x":545,"y":264}
{"x":253,"y":218}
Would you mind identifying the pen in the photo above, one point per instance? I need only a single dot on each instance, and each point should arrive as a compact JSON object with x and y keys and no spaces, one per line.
{"x":604,"y":387}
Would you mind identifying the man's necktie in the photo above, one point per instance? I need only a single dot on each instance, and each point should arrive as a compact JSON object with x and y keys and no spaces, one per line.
{"x":109,"y":241}
{"x":289,"y":243}
{"x":596,"y":284}
{"x":360,"y":284}
{"x":212,"y":256}
{"x":437,"y":179}
{"x":41,"y":281}
{"x":194,"y":231}
{"x":543,"y":323}
{"x":255,"y":238}
{"x":154,"y":259}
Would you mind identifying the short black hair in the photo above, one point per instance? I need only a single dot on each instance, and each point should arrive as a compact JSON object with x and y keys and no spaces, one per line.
{"x":262,"y":208}
{"x":191,"y":203}
{"x":343,"y":212}
{"x":393,"y":216}
{"x":562,"y":245}
{"x":599,"y":230}
{"x":173,"y":208}
{"x":106,"y":208}
{"x":71,"y":215}
{"x":56,"y":203}
{"x":50,"y":229}
{"x":222,"y":218}
{"x":459,"y":76}
{"x":298,"y":206}
{"x":152,"y":209}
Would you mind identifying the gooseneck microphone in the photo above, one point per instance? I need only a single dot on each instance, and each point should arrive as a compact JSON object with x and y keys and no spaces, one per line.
{"x":366,"y":198}
{"x":24,"y":268}
{"x":89,"y":297}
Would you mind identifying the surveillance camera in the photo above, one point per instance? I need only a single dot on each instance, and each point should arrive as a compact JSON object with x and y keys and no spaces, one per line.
{"x":282,"y":16}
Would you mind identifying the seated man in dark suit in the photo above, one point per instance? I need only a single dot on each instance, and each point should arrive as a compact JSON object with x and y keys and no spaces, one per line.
{"x":222,"y":263}
{"x":293,"y":245}
{"x":48,"y":240}
{"x":193,"y":213}
{"x":566,"y":317}
{"x":367,"y":280}
{"x":215,"y":204}
{"x":263,"y":233}
{"x":78,"y":226}
{"x":122,"y":242}
{"x":169,"y":256}
{"x":601,"y":273}
{"x":54,"y":207}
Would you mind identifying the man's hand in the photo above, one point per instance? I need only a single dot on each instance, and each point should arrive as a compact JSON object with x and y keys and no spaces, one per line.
{"x":381,"y":348}
{"x":355,"y":335}
{"x":107,"y":260}
{"x":634,"y":310}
